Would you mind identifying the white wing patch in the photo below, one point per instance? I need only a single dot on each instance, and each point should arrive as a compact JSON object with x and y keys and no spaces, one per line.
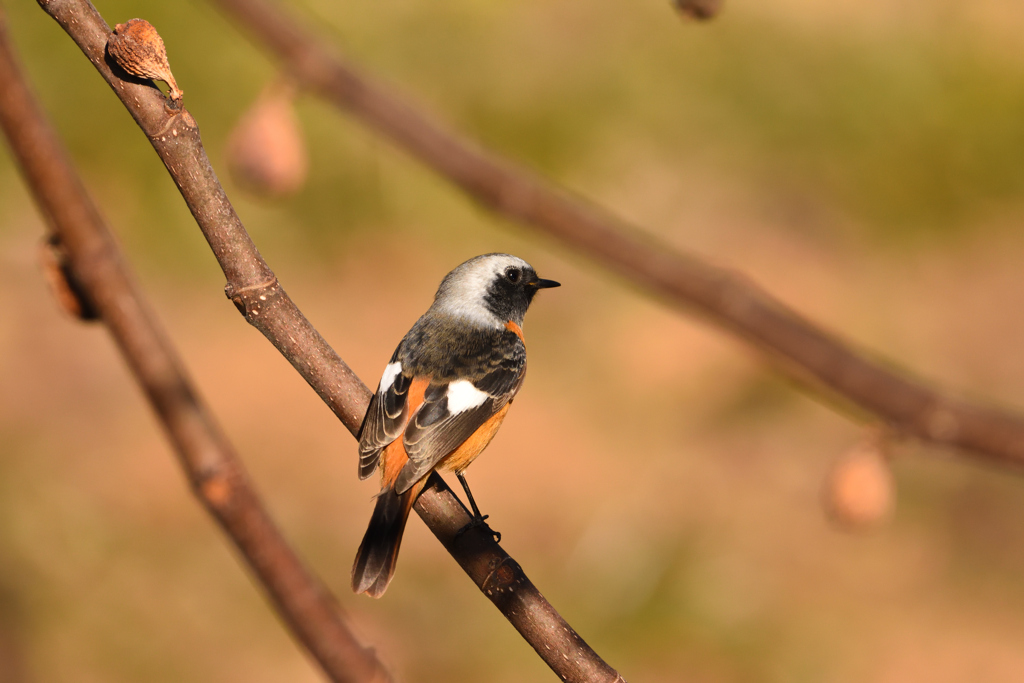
{"x":462,"y":396}
{"x":391,"y":371}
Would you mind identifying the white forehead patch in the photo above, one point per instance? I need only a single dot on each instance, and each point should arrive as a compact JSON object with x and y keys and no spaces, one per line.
{"x":462,"y":396}
{"x":463,"y":290}
{"x":391,"y":371}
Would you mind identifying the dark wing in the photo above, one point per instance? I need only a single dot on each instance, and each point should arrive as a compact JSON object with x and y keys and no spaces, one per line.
{"x":435,"y":430}
{"x":385,"y":418}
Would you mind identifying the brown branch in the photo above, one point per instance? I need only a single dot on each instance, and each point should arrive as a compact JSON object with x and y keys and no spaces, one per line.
{"x":726,"y":298}
{"x":257,"y":293}
{"x":214,"y":471}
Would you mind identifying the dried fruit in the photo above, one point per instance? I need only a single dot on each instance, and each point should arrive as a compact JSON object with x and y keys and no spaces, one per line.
{"x":137,"y":48}
{"x":860,"y":491}
{"x":65,"y":288}
{"x":266,"y":153}
{"x":699,"y":9}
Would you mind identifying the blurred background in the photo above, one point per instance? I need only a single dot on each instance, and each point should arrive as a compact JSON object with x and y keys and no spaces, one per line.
{"x":663,"y":487}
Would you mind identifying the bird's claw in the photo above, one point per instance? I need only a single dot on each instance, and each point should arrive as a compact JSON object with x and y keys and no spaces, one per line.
{"x":479,"y":522}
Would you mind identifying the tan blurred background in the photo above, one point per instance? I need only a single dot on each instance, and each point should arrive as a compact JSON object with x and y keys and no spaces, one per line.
{"x":861,"y":160}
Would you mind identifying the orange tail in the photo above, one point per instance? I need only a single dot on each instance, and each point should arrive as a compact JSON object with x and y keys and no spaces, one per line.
{"x":378,"y":553}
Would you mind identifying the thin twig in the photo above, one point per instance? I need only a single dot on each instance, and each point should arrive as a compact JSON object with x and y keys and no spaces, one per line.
{"x":214,"y":471}
{"x":257,"y":293}
{"x":804,"y":350}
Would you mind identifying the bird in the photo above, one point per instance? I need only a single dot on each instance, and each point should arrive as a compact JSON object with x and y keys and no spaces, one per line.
{"x":441,"y":398}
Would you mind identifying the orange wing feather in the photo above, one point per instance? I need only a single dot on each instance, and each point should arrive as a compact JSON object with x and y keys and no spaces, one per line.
{"x":394,"y":456}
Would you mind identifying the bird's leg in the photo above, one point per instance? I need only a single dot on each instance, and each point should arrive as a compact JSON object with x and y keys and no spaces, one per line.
{"x":478,"y":519}
{"x":469,"y":494}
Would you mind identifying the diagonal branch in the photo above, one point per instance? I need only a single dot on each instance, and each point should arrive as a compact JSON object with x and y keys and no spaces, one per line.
{"x":726,"y":298}
{"x":215,"y":472}
{"x":255,"y":290}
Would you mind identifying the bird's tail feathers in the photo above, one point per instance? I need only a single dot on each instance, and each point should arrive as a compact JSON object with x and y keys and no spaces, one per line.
{"x":378,"y":553}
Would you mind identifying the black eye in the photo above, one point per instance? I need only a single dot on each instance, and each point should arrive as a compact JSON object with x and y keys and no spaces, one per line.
{"x":513,"y":275}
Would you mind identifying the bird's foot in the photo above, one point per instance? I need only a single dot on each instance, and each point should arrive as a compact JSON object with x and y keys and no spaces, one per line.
{"x":479,"y":521}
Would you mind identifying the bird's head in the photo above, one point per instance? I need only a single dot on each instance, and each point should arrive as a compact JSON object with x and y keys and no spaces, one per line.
{"x":490,"y":290}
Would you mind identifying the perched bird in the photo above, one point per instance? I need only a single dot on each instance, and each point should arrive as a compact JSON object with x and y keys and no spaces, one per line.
{"x":442,"y":397}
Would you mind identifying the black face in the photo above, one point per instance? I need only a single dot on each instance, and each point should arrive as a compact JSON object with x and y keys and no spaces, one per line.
{"x":511,"y":292}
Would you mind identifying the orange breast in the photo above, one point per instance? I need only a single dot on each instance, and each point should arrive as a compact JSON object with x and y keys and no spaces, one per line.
{"x":461,"y":457}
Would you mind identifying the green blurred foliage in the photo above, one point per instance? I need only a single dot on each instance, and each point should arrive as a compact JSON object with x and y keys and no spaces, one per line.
{"x":908,"y":132}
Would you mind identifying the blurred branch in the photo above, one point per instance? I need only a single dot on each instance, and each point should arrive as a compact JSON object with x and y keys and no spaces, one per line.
{"x":215,"y":472}
{"x":728,"y":299}
{"x":701,"y":10}
{"x":255,"y":290}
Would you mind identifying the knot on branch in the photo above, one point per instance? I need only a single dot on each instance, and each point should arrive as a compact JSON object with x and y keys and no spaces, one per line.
{"x":505,"y":576}
{"x":251,"y":300}
{"x":180,"y":123}
{"x":216,"y":490}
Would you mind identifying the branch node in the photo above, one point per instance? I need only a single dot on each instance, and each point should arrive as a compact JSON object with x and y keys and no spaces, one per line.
{"x":216,"y":490}
{"x":505,"y":575}
{"x":249,"y":300}
{"x":176,"y":115}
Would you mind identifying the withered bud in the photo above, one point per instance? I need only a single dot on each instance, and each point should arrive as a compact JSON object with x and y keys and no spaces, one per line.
{"x":701,"y":10}
{"x":65,"y":288}
{"x":266,"y":153}
{"x":137,"y":48}
{"x":860,"y":491}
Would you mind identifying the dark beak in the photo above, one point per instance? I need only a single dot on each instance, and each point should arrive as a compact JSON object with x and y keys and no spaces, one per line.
{"x":543,"y":284}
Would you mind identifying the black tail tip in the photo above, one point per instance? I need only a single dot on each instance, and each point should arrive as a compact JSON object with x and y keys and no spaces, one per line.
{"x":372,"y":586}
{"x":375,"y":565}
{"x":378,"y":553}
